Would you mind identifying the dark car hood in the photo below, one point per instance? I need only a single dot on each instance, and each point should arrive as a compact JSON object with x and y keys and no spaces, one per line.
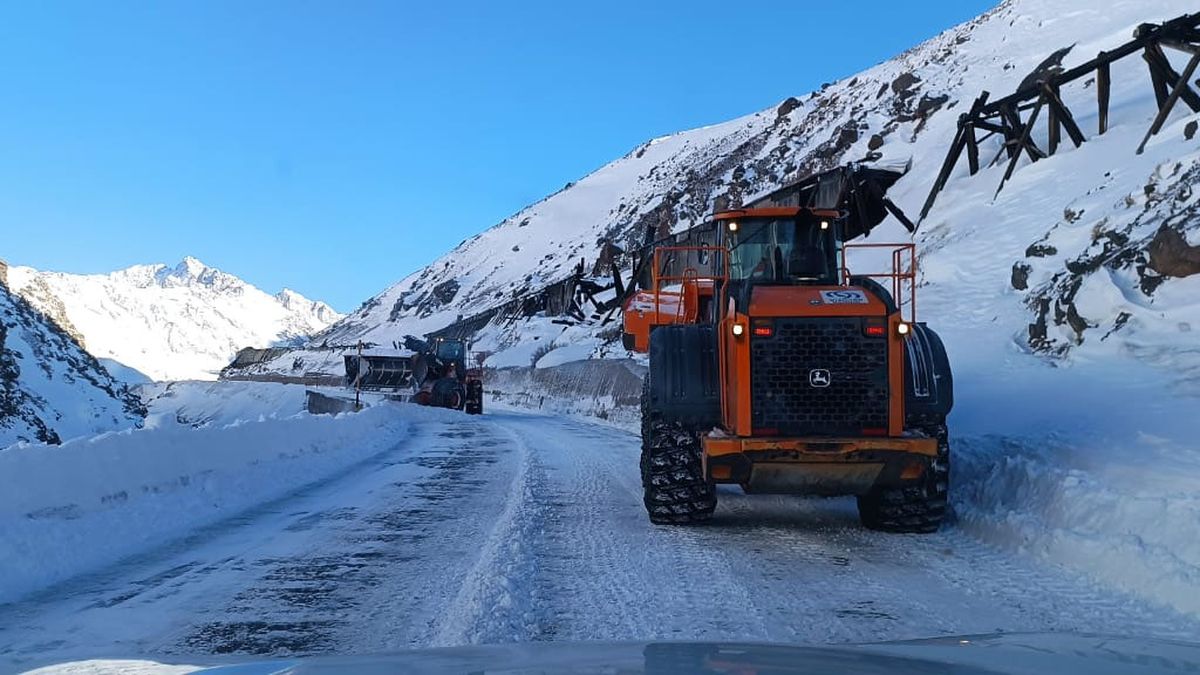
{"x":1005,"y":653}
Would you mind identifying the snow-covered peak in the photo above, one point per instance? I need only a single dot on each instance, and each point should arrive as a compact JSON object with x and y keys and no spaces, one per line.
{"x":192,"y":272}
{"x":298,"y":303}
{"x":184,"y":321}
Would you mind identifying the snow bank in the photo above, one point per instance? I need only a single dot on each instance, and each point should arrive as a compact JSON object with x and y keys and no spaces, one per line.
{"x":599,"y":389}
{"x":1129,"y":518}
{"x":1090,"y":468}
{"x":203,"y":404}
{"x":66,"y":510}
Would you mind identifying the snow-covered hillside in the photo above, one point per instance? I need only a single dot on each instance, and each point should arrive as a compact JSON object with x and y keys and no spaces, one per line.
{"x":50,"y":388}
{"x":1053,"y":231}
{"x":170,"y":323}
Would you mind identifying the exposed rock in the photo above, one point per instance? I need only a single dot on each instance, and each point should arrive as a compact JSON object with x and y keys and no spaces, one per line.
{"x":1020,"y":275}
{"x":1171,"y":255}
{"x":785,"y":108}
{"x":445,"y":291}
{"x":903,"y":85}
{"x":1190,"y":130}
{"x":930,"y":104}
{"x":1040,"y":251}
{"x":875,"y":142}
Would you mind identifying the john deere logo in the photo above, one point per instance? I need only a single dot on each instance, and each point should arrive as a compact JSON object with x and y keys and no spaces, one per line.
{"x":818,"y":377}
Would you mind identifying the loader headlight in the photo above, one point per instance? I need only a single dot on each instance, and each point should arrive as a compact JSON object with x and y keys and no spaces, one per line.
{"x":733,"y":226}
{"x":738,"y":329}
{"x":903,"y":328}
{"x":824,"y":224}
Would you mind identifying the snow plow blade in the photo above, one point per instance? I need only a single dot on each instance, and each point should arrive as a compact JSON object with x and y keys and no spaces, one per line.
{"x":378,"y":373}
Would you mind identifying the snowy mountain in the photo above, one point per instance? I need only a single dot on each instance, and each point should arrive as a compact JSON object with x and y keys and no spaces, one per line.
{"x":170,"y":323}
{"x":50,"y":388}
{"x":1055,"y":266}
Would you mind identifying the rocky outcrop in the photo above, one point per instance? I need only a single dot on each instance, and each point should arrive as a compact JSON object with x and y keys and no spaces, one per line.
{"x":1149,"y":249}
{"x":1171,"y":255}
{"x":50,"y":388}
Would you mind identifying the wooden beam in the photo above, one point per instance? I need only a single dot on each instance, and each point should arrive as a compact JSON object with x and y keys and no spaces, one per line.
{"x":1182,"y":27}
{"x":1053,"y":129}
{"x":1159,"y":62}
{"x":971,"y":141}
{"x":1180,"y":45}
{"x":1012,"y":130}
{"x":1157,"y":77}
{"x":1180,"y":86}
{"x":1063,"y":116}
{"x":956,"y":149}
{"x":972,"y":149}
{"x":1189,"y":97}
{"x":1103,"y":91}
{"x":1024,"y":141}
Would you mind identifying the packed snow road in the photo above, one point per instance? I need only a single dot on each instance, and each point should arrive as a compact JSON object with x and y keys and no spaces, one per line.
{"x":516,"y":527}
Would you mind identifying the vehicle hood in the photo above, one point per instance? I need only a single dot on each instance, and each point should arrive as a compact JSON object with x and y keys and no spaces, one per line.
{"x":1005,"y":653}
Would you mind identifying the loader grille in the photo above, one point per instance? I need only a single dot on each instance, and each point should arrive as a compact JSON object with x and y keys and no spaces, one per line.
{"x":783,"y":396}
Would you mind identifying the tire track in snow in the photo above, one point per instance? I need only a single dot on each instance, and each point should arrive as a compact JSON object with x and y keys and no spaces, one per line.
{"x":605,"y":571}
{"x":494,"y":603}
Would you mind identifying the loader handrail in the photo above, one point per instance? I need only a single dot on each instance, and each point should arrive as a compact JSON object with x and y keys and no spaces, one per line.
{"x":900,"y":276}
{"x":689,"y":274}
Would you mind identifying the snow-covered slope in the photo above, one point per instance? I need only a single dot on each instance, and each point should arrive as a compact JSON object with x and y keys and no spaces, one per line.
{"x":50,"y":388}
{"x":1091,"y":206}
{"x":170,"y":323}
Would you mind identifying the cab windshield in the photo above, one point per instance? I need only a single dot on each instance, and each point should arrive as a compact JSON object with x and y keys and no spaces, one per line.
{"x":450,"y":351}
{"x":782,"y":250}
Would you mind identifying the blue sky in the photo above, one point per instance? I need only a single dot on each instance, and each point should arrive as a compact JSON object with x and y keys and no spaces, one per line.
{"x":336,"y":147}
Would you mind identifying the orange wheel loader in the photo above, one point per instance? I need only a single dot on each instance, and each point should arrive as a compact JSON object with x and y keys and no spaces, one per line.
{"x":775,"y":368}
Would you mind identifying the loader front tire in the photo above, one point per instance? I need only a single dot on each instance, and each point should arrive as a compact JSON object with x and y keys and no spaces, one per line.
{"x":917,"y":509}
{"x":676,"y":490}
{"x":474,"y":402}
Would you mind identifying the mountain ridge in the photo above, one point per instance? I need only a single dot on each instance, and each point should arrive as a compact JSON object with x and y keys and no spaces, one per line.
{"x":182,"y":321}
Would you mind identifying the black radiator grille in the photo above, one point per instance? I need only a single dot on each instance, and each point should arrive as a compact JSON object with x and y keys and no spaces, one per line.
{"x":805,"y":352}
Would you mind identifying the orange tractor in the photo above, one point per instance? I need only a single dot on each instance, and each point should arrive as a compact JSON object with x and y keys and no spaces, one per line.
{"x":773,"y":367}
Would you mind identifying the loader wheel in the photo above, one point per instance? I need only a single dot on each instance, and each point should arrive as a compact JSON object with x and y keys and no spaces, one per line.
{"x":676,"y":490}
{"x":919,"y":509}
{"x":474,"y":402}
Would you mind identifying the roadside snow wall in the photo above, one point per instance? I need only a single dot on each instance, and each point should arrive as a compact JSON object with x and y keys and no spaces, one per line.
{"x":608,"y":390}
{"x":71,"y":509}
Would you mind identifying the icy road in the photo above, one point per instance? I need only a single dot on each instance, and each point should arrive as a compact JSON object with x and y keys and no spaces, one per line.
{"x":515,"y":527}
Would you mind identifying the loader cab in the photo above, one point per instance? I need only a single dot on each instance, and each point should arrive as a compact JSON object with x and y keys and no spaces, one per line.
{"x":450,"y":350}
{"x":780,"y":247}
